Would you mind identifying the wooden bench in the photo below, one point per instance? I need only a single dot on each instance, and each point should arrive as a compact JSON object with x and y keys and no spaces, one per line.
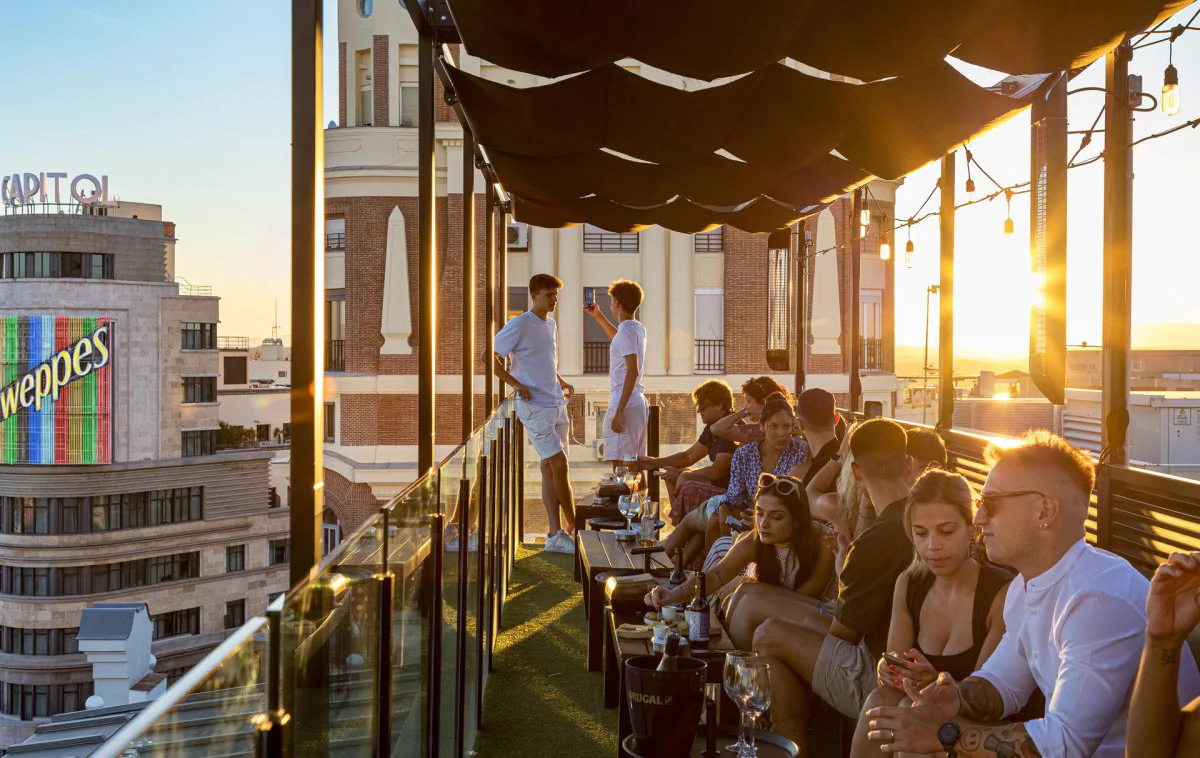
{"x":597,"y":553}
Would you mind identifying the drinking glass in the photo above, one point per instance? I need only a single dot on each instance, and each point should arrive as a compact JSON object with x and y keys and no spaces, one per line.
{"x":628,"y":507}
{"x":733,"y":688}
{"x":755,"y":679}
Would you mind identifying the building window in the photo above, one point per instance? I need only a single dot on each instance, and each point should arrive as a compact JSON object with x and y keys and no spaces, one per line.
{"x":330,"y":422}
{"x":30,"y":701}
{"x":235,"y":558}
{"x":235,"y":614}
{"x":199,"y":336}
{"x":709,"y":329}
{"x":335,"y":233}
{"x":100,"y":513}
{"x":199,"y":389}
{"x":278,"y":551}
{"x":176,"y":623}
{"x":597,"y":240}
{"x":19,"y":641}
{"x":595,"y":342}
{"x":56,"y":265}
{"x":273,"y":596}
{"x":410,"y":106}
{"x":362,"y":81}
{"x":199,"y":442}
{"x":710,"y":242}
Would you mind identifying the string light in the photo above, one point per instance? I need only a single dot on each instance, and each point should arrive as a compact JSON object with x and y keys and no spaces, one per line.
{"x":1170,"y":90}
{"x":970,"y":181}
{"x":1008,"y":222}
{"x":908,"y":247}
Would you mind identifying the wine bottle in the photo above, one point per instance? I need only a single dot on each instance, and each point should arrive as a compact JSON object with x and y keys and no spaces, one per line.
{"x":677,"y":575}
{"x":670,"y":657}
{"x":697,"y":616}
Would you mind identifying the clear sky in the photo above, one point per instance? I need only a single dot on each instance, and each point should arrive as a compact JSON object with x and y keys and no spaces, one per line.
{"x":186,"y":104}
{"x":182,"y":104}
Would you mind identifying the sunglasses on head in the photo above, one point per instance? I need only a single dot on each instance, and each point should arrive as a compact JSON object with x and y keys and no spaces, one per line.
{"x":785,"y":485}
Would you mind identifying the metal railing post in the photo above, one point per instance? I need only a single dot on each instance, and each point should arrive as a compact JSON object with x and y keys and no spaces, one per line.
{"x":271,"y":742}
{"x":468,"y":287}
{"x":494,"y":548}
{"x":436,"y":555}
{"x":489,"y":298}
{"x":482,"y":630}
{"x":520,"y":536}
{"x":652,"y":446}
{"x":383,"y":655}
{"x":460,"y":653}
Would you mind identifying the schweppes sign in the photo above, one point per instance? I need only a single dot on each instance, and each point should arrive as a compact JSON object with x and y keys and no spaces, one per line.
{"x":56,"y":389}
{"x":47,"y":380}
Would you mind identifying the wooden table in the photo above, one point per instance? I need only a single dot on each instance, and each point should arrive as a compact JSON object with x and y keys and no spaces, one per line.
{"x":598,"y":553}
{"x":619,"y":649}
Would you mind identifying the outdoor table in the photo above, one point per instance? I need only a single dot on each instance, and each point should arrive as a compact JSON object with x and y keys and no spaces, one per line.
{"x":599,"y":553}
{"x":769,"y":745}
{"x":618,"y":649}
{"x":613,"y":524}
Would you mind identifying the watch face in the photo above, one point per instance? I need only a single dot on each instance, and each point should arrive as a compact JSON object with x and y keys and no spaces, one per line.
{"x":948,"y":733}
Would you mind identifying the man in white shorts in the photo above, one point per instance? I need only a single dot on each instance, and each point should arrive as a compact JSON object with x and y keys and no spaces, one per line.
{"x":532,"y":342}
{"x":628,"y":415}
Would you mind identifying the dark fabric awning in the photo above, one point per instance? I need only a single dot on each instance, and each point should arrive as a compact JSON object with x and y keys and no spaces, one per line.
{"x":612,"y":148}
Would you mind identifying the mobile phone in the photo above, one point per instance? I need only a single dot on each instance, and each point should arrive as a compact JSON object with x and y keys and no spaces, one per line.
{"x":589,"y":300}
{"x":735,"y":524}
{"x":896,"y":660}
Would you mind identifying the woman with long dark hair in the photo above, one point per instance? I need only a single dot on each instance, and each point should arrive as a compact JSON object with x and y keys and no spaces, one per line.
{"x":784,"y":555}
{"x":948,"y":607}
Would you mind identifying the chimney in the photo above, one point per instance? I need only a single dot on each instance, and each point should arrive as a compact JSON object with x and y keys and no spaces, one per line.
{"x":116,"y":637}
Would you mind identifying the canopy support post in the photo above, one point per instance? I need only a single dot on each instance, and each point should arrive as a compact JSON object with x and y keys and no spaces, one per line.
{"x":946,"y":300}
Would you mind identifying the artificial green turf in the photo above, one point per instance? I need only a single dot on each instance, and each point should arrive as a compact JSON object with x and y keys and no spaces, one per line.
{"x":541,"y":700}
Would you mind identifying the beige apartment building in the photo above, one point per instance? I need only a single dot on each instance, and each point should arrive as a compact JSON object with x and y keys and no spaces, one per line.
{"x":111,"y":486}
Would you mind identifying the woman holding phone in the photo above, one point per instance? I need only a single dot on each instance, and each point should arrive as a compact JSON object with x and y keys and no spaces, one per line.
{"x":948,"y":607}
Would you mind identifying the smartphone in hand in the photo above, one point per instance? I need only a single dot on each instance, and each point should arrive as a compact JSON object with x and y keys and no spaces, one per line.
{"x":896,"y":660}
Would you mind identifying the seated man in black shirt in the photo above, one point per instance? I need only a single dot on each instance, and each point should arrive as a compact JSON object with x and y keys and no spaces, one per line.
{"x":688,"y":488}
{"x":836,"y":657}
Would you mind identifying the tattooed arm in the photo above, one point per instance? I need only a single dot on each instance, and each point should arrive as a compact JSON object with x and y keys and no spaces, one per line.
{"x":980,"y":700}
{"x":1156,"y":726}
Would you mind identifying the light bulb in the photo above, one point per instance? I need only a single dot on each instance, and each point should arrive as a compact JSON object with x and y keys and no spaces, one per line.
{"x":1170,"y":91}
{"x":864,"y":216}
{"x":908,"y":257}
{"x":862,"y":231}
{"x":885,"y":250}
{"x":1008,"y":226}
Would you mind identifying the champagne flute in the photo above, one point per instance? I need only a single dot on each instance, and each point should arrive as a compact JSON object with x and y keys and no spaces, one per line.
{"x":756,"y":694}
{"x":733,"y":688}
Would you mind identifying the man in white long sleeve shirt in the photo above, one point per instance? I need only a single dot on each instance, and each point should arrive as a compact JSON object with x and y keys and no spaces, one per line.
{"x":1074,"y":618}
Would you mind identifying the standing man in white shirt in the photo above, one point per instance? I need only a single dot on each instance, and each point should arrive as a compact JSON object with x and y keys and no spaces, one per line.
{"x":1075,"y":619}
{"x":628,"y":414}
{"x":532,"y":342}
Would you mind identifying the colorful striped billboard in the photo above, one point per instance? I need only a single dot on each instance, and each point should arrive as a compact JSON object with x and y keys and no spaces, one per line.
{"x":55,"y":390}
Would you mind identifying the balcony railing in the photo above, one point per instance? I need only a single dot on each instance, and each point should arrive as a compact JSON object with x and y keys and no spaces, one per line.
{"x":385,"y":649}
{"x":875,"y":355}
{"x":710,"y":356}
{"x":233,"y":343}
{"x":595,"y":357}
{"x":335,"y":355}
{"x":335,"y":241}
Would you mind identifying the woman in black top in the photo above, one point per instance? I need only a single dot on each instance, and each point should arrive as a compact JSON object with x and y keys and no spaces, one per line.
{"x":948,"y":608}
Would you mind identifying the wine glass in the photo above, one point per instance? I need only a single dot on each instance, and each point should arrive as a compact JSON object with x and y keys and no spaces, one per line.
{"x":755,"y":679}
{"x":733,"y":688}
{"x":628,"y":507}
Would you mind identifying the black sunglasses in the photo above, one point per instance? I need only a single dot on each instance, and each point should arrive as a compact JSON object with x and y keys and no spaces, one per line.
{"x":988,"y":502}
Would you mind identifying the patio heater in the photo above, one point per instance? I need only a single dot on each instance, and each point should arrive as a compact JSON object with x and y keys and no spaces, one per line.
{"x":779,"y":298}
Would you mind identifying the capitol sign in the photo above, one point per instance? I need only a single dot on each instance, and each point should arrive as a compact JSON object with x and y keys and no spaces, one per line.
{"x":28,"y":189}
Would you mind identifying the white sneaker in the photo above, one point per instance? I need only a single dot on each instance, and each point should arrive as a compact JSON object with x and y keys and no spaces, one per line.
{"x":560,"y":543}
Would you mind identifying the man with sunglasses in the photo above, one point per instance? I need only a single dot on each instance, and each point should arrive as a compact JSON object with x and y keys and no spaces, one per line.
{"x":1074,"y":623}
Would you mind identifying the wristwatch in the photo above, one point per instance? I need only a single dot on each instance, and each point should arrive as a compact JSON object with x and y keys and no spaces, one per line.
{"x":948,"y":735}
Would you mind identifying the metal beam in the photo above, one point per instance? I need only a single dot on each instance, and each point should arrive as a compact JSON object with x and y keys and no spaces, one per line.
{"x":489,"y":297}
{"x":946,"y":300}
{"x":308,"y":290}
{"x":801,"y":306}
{"x":1118,"y":254}
{"x":468,"y":286}
{"x":856,"y":205}
{"x":427,"y":277}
